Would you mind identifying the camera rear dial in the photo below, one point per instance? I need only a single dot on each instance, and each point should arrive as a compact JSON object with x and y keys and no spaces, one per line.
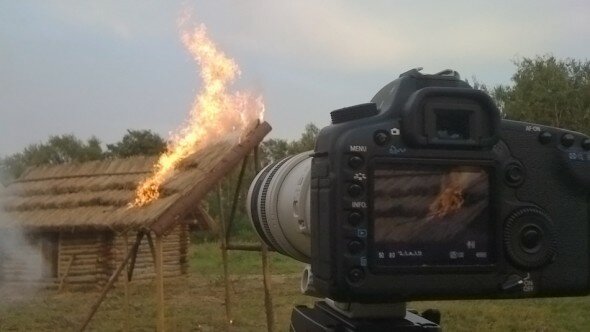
{"x":529,"y":238}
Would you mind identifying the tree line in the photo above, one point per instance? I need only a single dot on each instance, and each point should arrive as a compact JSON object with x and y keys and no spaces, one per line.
{"x":544,"y":90}
{"x":68,"y":148}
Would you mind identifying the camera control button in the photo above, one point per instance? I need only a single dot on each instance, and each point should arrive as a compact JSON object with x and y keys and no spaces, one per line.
{"x":514,"y":175}
{"x":586,"y":144}
{"x":355,"y":218}
{"x":545,"y":137}
{"x":530,"y":238}
{"x":355,"y":190}
{"x":381,"y":137}
{"x":567,"y":140}
{"x":355,"y":162}
{"x":355,"y":246}
{"x":356,"y":275}
{"x":512,"y":282}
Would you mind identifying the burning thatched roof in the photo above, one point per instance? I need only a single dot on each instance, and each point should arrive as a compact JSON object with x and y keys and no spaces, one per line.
{"x":96,"y":194}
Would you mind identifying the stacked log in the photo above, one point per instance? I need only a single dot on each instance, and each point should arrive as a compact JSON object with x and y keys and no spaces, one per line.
{"x":89,"y":249}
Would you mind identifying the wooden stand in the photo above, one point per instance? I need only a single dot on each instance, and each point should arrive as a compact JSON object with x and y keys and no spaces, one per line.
{"x":171,"y":216}
{"x":225,"y":239}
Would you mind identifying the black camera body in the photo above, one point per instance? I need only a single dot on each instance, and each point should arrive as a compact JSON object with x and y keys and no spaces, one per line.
{"x":426,"y":193}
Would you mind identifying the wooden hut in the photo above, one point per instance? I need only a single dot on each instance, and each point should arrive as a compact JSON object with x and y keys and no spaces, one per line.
{"x":79,"y":214}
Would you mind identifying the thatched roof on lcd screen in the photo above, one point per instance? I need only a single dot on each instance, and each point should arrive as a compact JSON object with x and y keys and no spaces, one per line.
{"x":96,"y":194}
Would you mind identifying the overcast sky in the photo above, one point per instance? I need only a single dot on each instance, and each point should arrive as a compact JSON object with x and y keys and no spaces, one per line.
{"x":100,"y":67}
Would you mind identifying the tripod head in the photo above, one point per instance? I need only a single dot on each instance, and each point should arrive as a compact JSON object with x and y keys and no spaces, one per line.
{"x":329,"y":315}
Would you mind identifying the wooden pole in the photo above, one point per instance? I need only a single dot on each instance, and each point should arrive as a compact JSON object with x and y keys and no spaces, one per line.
{"x":63,"y":278}
{"x":201,"y":214}
{"x":267,"y":295}
{"x":265,"y":266}
{"x":224,"y":258}
{"x":134,"y":251}
{"x":126,"y":281}
{"x":235,"y":201}
{"x":151,"y":243}
{"x":244,"y":246}
{"x":159,"y":285}
{"x":108,"y":286}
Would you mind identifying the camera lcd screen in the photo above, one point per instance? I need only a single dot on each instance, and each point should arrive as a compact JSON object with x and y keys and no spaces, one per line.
{"x":431,"y":215}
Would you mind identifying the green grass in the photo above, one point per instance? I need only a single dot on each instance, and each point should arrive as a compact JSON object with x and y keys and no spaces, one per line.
{"x":555,"y":314}
{"x":195,"y":302}
{"x":205,"y":259}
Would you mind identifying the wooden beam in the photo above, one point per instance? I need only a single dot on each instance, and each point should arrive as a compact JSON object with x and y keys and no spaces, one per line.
{"x":201,"y":214}
{"x":107,"y":287}
{"x":244,"y":246}
{"x":134,"y":251}
{"x":224,"y":258}
{"x":159,"y":285}
{"x":63,"y":278}
{"x":236,"y":198}
{"x":186,"y":203}
{"x":151,"y":244}
{"x":267,"y":295}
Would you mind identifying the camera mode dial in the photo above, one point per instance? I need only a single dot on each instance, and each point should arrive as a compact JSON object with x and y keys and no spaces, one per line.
{"x":529,"y":238}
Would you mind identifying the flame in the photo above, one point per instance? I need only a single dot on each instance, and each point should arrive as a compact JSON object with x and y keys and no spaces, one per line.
{"x":455,"y":189}
{"x":450,"y":198}
{"x":216,"y":112}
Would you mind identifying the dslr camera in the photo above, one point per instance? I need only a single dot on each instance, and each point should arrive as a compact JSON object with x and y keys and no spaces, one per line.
{"x":428,"y":193}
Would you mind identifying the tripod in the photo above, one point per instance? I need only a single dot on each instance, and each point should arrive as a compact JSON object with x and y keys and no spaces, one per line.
{"x":332,"y":316}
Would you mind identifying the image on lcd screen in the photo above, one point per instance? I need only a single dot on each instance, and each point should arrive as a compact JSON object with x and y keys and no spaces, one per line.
{"x":431,"y":215}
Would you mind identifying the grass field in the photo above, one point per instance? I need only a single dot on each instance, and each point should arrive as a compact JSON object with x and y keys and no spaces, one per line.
{"x":195,"y":303}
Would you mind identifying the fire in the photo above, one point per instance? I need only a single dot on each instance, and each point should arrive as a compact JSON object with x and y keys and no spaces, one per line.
{"x":451,"y":198}
{"x":215,"y":113}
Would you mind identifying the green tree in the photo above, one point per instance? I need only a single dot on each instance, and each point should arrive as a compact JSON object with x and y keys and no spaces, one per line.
{"x":477,"y":85}
{"x":307,"y":140}
{"x":548,"y":91}
{"x":274,"y":149}
{"x":137,"y":142}
{"x":277,"y":148}
{"x":57,"y":150}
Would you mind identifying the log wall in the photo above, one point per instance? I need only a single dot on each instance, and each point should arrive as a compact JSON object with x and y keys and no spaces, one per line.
{"x":96,"y":255}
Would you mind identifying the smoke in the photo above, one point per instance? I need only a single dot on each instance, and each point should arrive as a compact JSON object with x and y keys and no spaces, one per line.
{"x":21,"y":261}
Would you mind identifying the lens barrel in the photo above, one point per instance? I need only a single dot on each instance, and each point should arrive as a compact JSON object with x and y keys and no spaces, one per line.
{"x":278,"y":205}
